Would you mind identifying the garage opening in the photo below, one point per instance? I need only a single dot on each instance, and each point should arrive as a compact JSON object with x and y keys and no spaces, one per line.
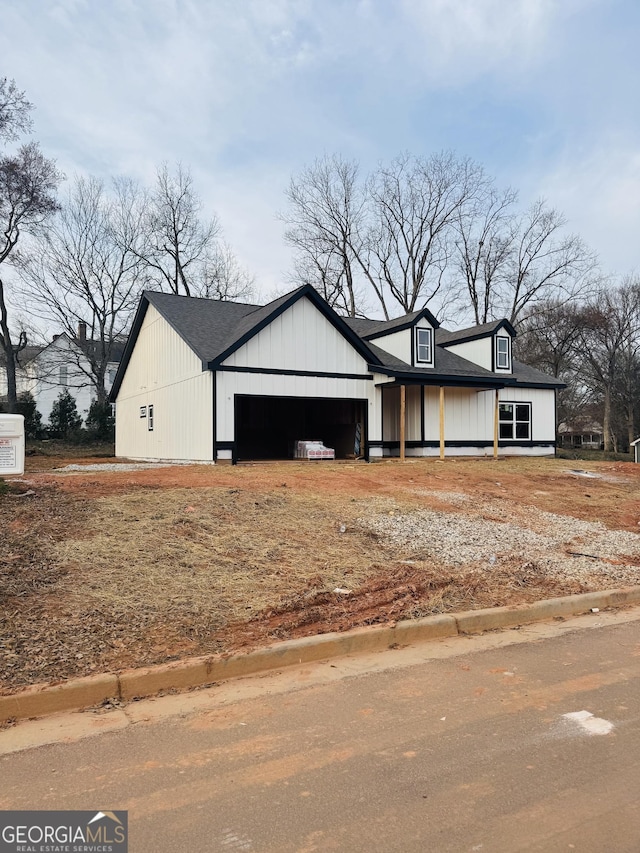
{"x":268,"y":427}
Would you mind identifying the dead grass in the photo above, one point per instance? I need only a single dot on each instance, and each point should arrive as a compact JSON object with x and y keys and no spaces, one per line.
{"x":104,"y":571}
{"x":221,"y":554}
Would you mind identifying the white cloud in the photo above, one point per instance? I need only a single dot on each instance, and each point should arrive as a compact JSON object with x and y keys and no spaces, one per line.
{"x":599,"y":192}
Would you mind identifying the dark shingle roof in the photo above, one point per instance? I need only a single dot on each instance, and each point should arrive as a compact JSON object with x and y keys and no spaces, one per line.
{"x":368,"y":329}
{"x":471,"y":333}
{"x":208,"y":326}
{"x":213,"y":329}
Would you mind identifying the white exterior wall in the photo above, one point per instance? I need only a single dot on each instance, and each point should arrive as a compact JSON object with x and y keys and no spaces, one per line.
{"x":391,"y":414}
{"x":543,"y":410}
{"x":478,"y":352}
{"x":397,"y":344}
{"x":469,"y":417}
{"x":299,"y":339}
{"x":165,"y":373}
{"x":229,"y":384}
{"x":468,"y":414}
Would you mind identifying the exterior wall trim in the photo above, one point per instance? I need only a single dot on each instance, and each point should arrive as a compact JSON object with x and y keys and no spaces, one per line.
{"x":272,"y":371}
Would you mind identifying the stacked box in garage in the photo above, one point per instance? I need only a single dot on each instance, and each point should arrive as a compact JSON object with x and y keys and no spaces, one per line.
{"x":313,"y":450}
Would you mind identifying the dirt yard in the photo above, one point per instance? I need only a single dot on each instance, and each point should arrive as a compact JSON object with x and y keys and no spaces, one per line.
{"x":108,"y":569}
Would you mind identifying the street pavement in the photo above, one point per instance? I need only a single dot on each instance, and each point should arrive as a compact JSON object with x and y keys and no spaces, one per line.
{"x":459,"y":745}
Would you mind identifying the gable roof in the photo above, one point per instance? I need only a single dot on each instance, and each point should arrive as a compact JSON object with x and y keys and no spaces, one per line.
{"x":214,"y":329}
{"x":370,"y":329}
{"x":472,"y":333}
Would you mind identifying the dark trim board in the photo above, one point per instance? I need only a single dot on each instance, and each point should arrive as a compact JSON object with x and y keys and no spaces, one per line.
{"x":316,"y":374}
{"x":392,"y":445}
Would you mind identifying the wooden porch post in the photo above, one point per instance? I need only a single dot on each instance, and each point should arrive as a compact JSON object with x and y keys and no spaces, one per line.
{"x":496,"y":423}
{"x":442,"y":422}
{"x":402,"y":421}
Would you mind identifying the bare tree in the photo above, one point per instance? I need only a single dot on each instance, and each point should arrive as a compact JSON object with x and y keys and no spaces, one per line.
{"x":391,"y":233}
{"x":484,"y":242}
{"x":609,"y":341}
{"x":83,"y":272}
{"x":223,"y":277}
{"x":416,"y":203}
{"x":549,"y":338}
{"x":176,"y":242}
{"x":325,"y":223}
{"x":28,"y":183}
{"x":545,"y":262}
{"x":15,"y":111}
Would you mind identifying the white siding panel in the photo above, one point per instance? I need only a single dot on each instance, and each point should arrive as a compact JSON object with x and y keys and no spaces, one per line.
{"x":478,"y":352}
{"x":229,"y":384}
{"x":543,"y":411}
{"x":165,"y":373}
{"x":397,"y":344}
{"x":301,"y":338}
{"x":391,"y":416}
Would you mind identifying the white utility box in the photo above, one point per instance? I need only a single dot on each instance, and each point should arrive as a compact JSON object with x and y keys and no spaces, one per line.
{"x":11,"y":444}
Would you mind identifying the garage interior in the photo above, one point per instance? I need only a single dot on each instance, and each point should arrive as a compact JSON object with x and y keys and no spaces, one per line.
{"x":268,"y":427}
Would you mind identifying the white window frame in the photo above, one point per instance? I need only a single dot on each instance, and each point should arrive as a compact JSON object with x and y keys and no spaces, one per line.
{"x":419,"y":345}
{"x":63,"y":375}
{"x":512,"y":421}
{"x":506,"y":353}
{"x":150,"y":417}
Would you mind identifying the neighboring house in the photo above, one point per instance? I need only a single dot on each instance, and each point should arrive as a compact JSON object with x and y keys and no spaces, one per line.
{"x":205,"y":380}
{"x":584,"y":432}
{"x":63,"y":364}
{"x":23,"y":357}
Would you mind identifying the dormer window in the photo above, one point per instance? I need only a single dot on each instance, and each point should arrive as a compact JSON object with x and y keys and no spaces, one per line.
{"x":424,"y":346}
{"x":503,"y":353}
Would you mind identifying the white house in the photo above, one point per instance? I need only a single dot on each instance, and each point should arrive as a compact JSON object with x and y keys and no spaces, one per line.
{"x":63,"y":364}
{"x":205,"y":380}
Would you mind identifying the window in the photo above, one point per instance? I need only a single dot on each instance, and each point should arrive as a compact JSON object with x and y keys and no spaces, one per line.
{"x":424,"y":353}
{"x":503,"y":354}
{"x":143,"y":411}
{"x":515,"y":421}
{"x":64,"y":379}
{"x":150,"y":418}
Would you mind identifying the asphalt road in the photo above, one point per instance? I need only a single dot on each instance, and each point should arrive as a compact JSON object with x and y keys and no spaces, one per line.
{"x":464,"y":749}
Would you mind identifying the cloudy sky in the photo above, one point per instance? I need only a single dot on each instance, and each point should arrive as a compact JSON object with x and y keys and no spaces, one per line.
{"x":542,"y":93}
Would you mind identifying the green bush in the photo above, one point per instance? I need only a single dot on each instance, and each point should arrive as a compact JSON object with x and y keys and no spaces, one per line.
{"x":64,"y":420}
{"x":33,"y":427}
{"x":100,"y":422}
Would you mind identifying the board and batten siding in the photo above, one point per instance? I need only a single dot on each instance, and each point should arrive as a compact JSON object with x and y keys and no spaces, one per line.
{"x":397,"y":344}
{"x":300,"y":339}
{"x":478,"y":352}
{"x":165,"y":373}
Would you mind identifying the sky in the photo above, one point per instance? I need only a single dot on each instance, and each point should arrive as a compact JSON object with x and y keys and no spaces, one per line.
{"x":542,"y":93}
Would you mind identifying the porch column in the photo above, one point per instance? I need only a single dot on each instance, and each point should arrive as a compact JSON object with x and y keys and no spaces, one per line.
{"x":442,"y":422}
{"x":496,"y":426}
{"x":402,"y":421}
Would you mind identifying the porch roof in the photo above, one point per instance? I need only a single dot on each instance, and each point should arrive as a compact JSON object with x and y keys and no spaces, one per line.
{"x":453,"y":370}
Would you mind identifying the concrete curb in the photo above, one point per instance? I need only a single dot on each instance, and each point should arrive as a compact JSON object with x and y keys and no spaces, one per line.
{"x":79,"y":693}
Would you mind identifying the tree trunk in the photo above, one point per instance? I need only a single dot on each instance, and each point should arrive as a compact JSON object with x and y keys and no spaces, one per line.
{"x":9,"y":354}
{"x":606,"y":420}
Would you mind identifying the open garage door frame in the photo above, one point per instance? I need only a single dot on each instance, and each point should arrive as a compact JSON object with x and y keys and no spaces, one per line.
{"x":266,"y":427}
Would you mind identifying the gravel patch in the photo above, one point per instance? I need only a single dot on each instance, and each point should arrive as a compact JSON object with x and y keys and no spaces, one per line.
{"x":558,"y":544}
{"x":115,"y":466}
